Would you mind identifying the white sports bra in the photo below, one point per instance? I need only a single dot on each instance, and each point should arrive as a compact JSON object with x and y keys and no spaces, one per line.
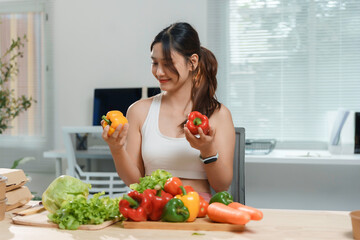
{"x":174,"y":155}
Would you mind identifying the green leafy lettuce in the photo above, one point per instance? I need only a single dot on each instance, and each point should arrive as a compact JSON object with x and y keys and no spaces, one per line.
{"x":81,"y":210}
{"x":63,"y":188}
{"x":157,"y":177}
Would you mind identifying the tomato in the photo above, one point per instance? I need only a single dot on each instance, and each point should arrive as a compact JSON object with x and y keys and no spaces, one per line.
{"x":203,"y":207}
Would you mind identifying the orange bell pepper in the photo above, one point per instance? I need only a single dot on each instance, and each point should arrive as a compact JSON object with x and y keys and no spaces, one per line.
{"x":192,"y":201}
{"x":113,"y":118}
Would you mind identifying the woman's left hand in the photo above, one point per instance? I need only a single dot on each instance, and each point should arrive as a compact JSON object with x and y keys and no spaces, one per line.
{"x":202,"y":142}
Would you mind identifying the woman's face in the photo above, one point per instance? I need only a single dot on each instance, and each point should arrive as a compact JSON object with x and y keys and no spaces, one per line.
{"x":169,"y":80}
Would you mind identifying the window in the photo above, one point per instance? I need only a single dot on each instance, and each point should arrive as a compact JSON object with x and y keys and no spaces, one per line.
{"x":19,"y":18}
{"x":284,"y":64}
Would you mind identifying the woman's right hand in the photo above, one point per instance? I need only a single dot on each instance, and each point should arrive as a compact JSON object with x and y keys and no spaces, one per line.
{"x":118,"y":138}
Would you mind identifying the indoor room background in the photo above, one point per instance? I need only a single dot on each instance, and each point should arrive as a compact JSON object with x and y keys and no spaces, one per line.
{"x":93,"y":44}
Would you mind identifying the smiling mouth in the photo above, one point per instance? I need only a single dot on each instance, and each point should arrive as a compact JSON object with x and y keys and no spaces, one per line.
{"x":163,"y":80}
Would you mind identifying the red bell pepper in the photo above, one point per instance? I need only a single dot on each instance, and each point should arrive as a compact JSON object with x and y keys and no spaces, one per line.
{"x":203,"y":207}
{"x":172,"y":186}
{"x":135,"y":206}
{"x":196,"y":120}
{"x":159,"y":199}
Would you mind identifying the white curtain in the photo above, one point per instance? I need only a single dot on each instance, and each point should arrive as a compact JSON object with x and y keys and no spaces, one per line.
{"x":30,"y":77}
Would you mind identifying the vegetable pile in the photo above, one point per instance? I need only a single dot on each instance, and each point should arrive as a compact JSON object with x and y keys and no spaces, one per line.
{"x":153,"y":199}
{"x":158,"y":197}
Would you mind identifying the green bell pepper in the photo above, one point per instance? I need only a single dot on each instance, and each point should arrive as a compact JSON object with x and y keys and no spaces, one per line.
{"x":222,"y":197}
{"x":175,"y":211}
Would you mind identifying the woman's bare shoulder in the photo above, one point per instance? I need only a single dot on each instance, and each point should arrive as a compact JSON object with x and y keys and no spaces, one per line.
{"x":139,"y":109}
{"x":222,"y":112}
{"x":221,"y":116}
{"x":140,"y":105}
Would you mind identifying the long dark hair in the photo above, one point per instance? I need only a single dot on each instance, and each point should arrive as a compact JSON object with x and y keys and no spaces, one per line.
{"x":184,"y":39}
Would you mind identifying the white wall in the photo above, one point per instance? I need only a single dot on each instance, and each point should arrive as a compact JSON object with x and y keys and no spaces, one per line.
{"x":106,"y":44}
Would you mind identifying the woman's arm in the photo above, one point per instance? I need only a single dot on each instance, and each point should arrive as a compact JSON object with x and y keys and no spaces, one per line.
{"x":220,"y":173}
{"x":125,"y":146}
{"x":221,"y":140}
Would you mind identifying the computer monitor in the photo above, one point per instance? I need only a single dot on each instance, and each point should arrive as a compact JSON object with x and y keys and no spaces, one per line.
{"x":107,"y":99}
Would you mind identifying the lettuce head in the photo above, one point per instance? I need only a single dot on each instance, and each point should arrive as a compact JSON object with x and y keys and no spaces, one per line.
{"x":63,"y":189}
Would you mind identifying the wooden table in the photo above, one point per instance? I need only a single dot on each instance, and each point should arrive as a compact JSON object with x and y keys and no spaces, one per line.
{"x":276,"y":224}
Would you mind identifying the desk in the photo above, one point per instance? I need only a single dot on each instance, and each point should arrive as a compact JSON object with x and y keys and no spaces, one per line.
{"x":304,"y":157}
{"x":71,"y":154}
{"x":277,"y":224}
{"x":59,"y":155}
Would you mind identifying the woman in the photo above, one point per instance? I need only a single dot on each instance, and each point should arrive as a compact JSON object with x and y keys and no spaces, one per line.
{"x":156,"y":136}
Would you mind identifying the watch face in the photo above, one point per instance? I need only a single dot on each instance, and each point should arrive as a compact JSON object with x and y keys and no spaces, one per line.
{"x":213,"y":159}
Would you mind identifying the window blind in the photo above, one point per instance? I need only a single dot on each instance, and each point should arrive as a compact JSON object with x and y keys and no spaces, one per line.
{"x":285,"y":64}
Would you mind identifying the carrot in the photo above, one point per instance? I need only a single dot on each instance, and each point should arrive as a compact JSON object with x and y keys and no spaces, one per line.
{"x":255,"y":214}
{"x":219,"y":212}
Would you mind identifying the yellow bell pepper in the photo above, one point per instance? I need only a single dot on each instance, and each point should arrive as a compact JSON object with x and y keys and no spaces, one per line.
{"x":192,"y":201}
{"x":113,"y":118}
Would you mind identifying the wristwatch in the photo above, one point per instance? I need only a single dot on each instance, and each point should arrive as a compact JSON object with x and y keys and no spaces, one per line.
{"x":209,"y":159}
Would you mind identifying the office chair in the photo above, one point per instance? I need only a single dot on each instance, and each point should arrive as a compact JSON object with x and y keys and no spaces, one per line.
{"x":237,"y":187}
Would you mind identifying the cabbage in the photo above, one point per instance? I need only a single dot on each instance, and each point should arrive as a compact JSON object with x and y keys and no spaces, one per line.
{"x":63,"y":188}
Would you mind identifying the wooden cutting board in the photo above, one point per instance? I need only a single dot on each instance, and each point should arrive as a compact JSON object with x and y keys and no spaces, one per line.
{"x":41,"y":220}
{"x":200,"y":224}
